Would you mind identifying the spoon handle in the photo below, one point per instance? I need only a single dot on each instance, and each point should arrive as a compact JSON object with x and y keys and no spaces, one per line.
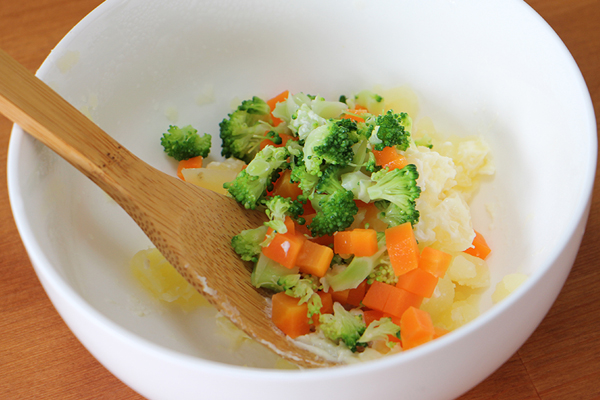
{"x":45,"y":115}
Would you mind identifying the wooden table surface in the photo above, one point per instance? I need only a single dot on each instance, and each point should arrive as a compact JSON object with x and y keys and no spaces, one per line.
{"x":41,"y":359}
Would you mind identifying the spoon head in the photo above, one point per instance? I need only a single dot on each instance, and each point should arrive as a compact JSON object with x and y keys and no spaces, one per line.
{"x":204,"y":256}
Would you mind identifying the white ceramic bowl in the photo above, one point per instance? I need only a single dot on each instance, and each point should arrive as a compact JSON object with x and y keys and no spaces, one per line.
{"x":493,"y":68}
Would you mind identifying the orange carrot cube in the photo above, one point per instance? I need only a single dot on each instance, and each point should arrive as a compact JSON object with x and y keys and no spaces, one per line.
{"x":401,"y":300}
{"x":434,"y":261}
{"x":402,"y":248}
{"x":377,"y":295}
{"x":480,"y":247}
{"x":342,"y":242}
{"x":285,"y":248}
{"x":416,"y":328}
{"x":356,"y":295}
{"x":314,"y":258}
{"x":390,"y":158}
{"x":418,"y":281}
{"x":289,"y":316}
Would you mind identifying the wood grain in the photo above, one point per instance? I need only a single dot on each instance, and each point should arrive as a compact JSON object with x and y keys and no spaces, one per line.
{"x":40,"y":357}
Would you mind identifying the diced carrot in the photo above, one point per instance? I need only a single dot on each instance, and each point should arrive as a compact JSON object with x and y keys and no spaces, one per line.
{"x":390,"y":299}
{"x":340,"y":296}
{"x":290,"y":225}
{"x":326,"y":308}
{"x":395,"y":339}
{"x":324,"y":240}
{"x":360,"y":242}
{"x":480,"y":247}
{"x":416,"y":328}
{"x":342,"y":242}
{"x":308,"y":208}
{"x":372,"y":315}
{"x":266,"y":142}
{"x":439,"y":332}
{"x":434,"y":261}
{"x":289,"y":316}
{"x":314,"y":258}
{"x":378,"y":295}
{"x":284,"y":187}
{"x":390,"y":158}
{"x":418,"y":281}
{"x":360,"y":203}
{"x":327,"y":301}
{"x":302,"y":229}
{"x":364,"y":242}
{"x":281,"y":97}
{"x":356,"y":295}
{"x":194,"y":162}
{"x":402,"y":248}
{"x":400,"y":300}
{"x":284,"y":248}
{"x":355,"y":114}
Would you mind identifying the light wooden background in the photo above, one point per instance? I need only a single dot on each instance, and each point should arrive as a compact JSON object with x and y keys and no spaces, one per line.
{"x":41,"y":359}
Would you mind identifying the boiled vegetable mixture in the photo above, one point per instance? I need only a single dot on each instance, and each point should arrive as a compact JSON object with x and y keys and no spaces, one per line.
{"x":369,"y":248}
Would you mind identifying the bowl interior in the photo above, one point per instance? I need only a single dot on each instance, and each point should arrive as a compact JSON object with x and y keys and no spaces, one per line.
{"x":135,"y":67}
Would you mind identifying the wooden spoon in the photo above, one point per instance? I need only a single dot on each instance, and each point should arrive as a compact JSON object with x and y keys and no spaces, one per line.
{"x":191,"y":226}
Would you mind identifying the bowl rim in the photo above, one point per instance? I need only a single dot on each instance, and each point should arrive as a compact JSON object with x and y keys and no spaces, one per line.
{"x":44,"y":268}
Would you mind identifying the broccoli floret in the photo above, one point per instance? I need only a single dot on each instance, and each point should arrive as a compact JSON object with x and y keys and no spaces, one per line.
{"x":267,"y":273}
{"x":252,"y":183}
{"x":247,"y":243}
{"x":274,"y":137}
{"x":288,"y":110}
{"x":364,"y":157}
{"x":425,"y":141}
{"x":358,"y":270}
{"x":380,"y":329}
{"x":383,"y":272}
{"x":342,"y":326}
{"x":369,"y":100}
{"x":357,"y":183}
{"x":388,"y":130}
{"x":305,"y":289}
{"x":328,"y":109}
{"x":393,"y":215}
{"x":278,"y":208}
{"x":314,"y":305}
{"x":304,"y":121}
{"x":306,"y":181}
{"x":339,"y":260}
{"x":185,"y":143}
{"x":331,"y":143}
{"x":334,"y":205}
{"x":399,"y":187}
{"x":300,"y":287}
{"x":334,"y":213}
{"x":244,"y":129}
{"x":329,"y":182}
